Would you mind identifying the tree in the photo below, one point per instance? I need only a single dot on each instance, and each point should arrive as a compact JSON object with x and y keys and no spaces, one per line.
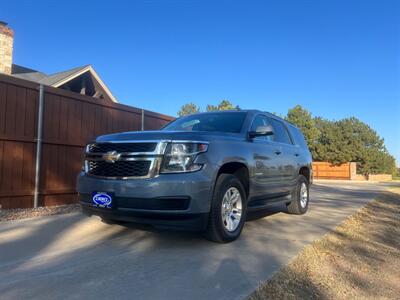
{"x":366,"y":147}
{"x":377,"y":162}
{"x":188,"y":109}
{"x":223,"y":105}
{"x":352,"y":140}
{"x":330,"y":145}
{"x":302,"y":118}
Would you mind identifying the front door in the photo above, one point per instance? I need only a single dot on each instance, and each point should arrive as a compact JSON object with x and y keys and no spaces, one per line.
{"x":267,"y":163}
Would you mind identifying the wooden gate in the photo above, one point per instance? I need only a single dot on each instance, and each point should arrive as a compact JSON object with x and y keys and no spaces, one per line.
{"x":325,"y":170}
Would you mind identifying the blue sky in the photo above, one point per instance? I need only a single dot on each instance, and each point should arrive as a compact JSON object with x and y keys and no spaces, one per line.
{"x":335,"y":58}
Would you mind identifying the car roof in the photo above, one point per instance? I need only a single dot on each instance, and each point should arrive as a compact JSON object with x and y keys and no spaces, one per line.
{"x":248,"y":111}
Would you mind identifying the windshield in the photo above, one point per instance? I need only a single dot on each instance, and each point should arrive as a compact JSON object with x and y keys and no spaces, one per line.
{"x":218,"y":121}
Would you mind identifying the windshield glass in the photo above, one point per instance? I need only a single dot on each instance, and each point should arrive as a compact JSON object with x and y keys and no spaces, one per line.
{"x":218,"y":121}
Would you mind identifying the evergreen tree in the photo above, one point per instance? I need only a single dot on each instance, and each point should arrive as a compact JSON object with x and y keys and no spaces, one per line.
{"x":343,"y":141}
{"x":302,"y":118}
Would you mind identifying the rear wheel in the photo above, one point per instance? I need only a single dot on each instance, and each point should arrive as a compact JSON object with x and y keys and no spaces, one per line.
{"x":300,"y":197}
{"x":228,"y":210}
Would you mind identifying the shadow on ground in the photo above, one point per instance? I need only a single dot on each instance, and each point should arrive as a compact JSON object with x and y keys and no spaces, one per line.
{"x":72,"y":256}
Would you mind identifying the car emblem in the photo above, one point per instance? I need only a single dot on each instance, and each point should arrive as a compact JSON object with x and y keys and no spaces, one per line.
{"x":111,"y":156}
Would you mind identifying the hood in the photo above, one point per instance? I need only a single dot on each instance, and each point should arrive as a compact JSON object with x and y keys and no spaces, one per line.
{"x":168,"y":135}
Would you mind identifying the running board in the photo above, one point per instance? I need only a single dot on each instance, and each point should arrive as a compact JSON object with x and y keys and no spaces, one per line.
{"x":268,"y":202}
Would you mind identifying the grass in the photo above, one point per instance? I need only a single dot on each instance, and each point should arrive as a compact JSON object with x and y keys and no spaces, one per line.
{"x":360,"y":259}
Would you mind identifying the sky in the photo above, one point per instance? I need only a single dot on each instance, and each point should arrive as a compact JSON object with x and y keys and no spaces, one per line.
{"x":335,"y":58}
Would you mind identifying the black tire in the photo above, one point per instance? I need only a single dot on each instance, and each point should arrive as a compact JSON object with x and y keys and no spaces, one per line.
{"x":295,"y":207}
{"x":216,"y":230}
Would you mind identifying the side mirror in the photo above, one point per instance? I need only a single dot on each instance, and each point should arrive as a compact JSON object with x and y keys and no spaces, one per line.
{"x":261,"y":131}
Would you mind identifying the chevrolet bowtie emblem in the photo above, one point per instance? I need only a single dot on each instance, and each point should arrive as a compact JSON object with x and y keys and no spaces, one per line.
{"x":111,"y":156}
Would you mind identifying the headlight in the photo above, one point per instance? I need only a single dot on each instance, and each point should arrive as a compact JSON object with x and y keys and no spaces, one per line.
{"x":179,"y":157}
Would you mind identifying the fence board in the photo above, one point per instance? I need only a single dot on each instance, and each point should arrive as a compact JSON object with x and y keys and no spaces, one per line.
{"x":70,"y":120}
{"x":325,"y":170}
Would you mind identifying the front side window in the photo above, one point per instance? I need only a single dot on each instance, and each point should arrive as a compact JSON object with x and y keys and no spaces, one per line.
{"x":217,"y":122}
{"x":261,"y":121}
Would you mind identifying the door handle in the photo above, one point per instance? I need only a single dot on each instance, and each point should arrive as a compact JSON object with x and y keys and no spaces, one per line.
{"x":277,"y":152}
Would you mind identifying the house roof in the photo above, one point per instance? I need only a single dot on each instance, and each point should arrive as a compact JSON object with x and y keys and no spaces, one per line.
{"x":58,"y":79}
{"x":61,"y":76}
{"x":26,"y":73}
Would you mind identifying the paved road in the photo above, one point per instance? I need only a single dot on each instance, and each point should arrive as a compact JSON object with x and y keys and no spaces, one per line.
{"x":72,"y":256}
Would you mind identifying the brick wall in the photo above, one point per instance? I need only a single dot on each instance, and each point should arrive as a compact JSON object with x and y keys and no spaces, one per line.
{"x":6,"y":48}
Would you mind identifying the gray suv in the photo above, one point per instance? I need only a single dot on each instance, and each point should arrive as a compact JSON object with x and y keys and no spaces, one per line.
{"x":203,"y":172}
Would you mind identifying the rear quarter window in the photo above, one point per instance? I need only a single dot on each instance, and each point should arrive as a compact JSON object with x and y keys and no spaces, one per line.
{"x":281,"y":135}
{"x":298,"y":137}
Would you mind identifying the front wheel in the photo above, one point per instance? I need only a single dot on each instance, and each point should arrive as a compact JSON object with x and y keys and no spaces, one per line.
{"x":300,"y":197}
{"x":228,"y":210}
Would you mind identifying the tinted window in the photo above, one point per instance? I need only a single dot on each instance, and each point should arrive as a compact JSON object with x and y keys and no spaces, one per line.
{"x":220,"y":122}
{"x":281,"y":134}
{"x":298,"y":137}
{"x":261,"y":121}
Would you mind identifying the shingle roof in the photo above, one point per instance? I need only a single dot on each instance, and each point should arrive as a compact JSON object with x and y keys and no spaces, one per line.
{"x":60,"y":78}
{"x":26,"y":73}
{"x":39,"y":77}
{"x":57,"y":77}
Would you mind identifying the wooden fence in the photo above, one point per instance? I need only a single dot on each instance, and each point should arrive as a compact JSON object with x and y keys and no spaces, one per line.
{"x":70,"y":120}
{"x":325,"y":170}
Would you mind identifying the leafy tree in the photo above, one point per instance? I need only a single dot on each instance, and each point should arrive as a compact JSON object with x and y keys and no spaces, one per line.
{"x":188,"y":109}
{"x":302,"y":118}
{"x":223,"y":105}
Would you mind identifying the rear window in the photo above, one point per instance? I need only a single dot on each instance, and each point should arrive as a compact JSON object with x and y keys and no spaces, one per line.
{"x":298,"y":137}
{"x":218,"y":121}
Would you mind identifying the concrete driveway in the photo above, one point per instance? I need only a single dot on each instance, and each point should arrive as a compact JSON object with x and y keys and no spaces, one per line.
{"x":72,"y":256}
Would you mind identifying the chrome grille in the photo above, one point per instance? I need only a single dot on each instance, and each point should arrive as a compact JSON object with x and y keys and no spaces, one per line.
{"x":128,"y":159}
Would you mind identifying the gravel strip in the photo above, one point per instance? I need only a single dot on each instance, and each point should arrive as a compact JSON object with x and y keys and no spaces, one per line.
{"x":26,"y":213}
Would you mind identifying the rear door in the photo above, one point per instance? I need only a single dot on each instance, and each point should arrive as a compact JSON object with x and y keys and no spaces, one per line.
{"x":288,"y":156}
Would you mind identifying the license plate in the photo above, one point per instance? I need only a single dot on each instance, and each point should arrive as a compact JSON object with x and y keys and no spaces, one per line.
{"x":102,"y":199}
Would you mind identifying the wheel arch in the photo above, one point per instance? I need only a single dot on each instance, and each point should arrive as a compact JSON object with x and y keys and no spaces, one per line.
{"x":306,"y":172}
{"x":239,"y":169}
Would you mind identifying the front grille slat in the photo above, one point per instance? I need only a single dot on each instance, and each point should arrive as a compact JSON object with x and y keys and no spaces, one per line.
{"x":122,"y":147}
{"x":119,"y":168}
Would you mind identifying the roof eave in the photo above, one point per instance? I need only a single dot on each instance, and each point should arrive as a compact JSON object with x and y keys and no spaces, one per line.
{"x":94,"y":74}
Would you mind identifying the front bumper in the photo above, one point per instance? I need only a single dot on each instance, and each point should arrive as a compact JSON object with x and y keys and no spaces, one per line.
{"x":168,"y":200}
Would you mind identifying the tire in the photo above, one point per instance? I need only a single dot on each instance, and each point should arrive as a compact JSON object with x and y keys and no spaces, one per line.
{"x":299,"y":204}
{"x":227,"y":228}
